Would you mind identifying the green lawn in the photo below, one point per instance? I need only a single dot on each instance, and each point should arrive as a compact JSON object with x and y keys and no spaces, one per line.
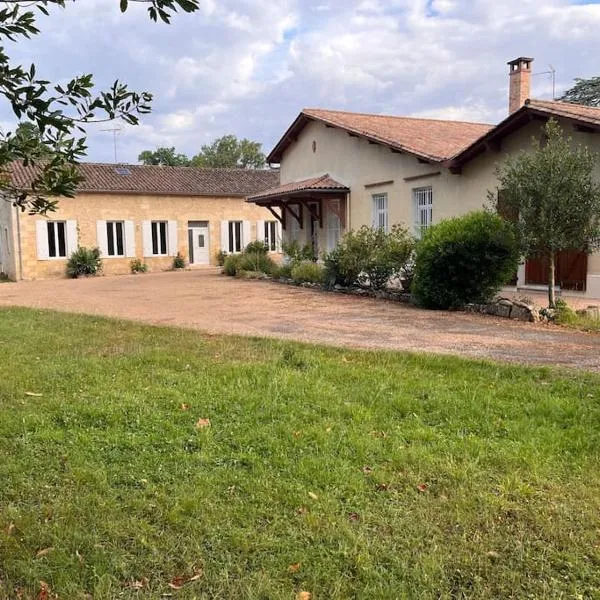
{"x":344,"y":474}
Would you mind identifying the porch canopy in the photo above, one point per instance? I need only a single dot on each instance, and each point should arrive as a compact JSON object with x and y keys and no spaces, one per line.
{"x":307,"y":194}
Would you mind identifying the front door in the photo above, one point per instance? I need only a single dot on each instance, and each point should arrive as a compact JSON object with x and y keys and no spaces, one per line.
{"x":199,"y":248}
{"x":570,"y":270}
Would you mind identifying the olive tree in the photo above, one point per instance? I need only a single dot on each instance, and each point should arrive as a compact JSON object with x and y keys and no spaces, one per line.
{"x":553,"y":191}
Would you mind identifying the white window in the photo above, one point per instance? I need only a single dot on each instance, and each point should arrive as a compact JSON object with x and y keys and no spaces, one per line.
{"x":55,"y":239}
{"x":271,"y":235}
{"x":160,"y":243}
{"x":334,"y":226}
{"x":115,"y":238}
{"x":235,"y":236}
{"x":423,"y":200}
{"x":380,"y":211}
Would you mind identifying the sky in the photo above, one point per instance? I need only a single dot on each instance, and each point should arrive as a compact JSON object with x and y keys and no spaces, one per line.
{"x":247,"y":67}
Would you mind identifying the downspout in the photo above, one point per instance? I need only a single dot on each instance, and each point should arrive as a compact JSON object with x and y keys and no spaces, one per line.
{"x":20,"y":251}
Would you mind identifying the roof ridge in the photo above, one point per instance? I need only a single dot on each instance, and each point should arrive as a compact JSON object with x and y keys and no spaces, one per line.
{"x":387,"y":116}
{"x":563,"y":102}
{"x":124,"y":164}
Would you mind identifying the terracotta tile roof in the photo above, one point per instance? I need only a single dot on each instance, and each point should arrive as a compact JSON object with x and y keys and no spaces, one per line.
{"x":587,"y":116}
{"x":566,"y":109}
{"x":157,"y":180}
{"x":431,"y":139}
{"x":323,"y":183}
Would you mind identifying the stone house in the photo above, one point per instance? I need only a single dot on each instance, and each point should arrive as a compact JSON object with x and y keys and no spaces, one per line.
{"x":133,"y":211}
{"x":342,"y":170}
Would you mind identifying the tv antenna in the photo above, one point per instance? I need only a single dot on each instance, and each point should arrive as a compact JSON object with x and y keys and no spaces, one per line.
{"x":552,"y":72}
{"x":115,"y":131}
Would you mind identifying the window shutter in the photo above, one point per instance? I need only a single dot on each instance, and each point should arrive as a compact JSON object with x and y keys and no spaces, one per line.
{"x":146,"y":238}
{"x":129,"y":238}
{"x":72,"y":244}
{"x":101,"y":237}
{"x":260,"y":231}
{"x":246,"y":236}
{"x":278,"y":234}
{"x":225,"y":236}
{"x":172,"y":238}
{"x":41,"y":230}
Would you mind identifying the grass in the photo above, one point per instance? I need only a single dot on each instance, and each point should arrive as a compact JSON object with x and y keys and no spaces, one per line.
{"x":344,"y":474}
{"x":572,"y":319}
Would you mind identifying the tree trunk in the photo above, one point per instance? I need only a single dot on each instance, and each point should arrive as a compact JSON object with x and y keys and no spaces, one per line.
{"x":551,"y":295}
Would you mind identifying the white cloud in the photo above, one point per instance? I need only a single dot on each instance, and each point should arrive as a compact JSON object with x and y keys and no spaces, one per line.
{"x":247,"y":67}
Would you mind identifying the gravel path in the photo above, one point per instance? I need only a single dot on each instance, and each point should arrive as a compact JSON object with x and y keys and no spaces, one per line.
{"x":208,"y":301}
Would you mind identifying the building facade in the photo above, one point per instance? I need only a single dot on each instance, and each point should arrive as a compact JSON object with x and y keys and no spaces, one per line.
{"x":342,"y":170}
{"x":129,"y":212}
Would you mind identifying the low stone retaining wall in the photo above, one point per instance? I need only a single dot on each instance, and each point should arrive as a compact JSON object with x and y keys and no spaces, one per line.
{"x":509,"y":309}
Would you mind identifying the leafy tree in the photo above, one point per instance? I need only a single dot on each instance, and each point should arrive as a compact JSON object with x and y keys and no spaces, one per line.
{"x":585,"y":91}
{"x":54,"y":139}
{"x":228,"y":151}
{"x":553,"y":192}
{"x":164,"y":156}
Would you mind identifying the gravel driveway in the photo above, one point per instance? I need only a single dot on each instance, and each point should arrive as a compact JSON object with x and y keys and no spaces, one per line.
{"x":208,"y":301}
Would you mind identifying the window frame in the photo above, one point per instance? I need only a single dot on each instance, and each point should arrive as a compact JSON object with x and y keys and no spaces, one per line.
{"x":159,"y":238}
{"x":235,"y":235}
{"x":270,"y":236}
{"x":380,"y":213}
{"x":53,"y":241}
{"x":423,"y":205}
{"x":112,"y":237}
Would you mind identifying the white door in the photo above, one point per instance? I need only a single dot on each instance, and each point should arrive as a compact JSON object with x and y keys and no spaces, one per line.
{"x":199,"y":247}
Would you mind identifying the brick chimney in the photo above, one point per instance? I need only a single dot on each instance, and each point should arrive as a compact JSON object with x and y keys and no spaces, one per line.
{"x":519,"y":82}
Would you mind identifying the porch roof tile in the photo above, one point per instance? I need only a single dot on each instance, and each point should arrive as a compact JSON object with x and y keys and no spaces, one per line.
{"x":323,"y":183}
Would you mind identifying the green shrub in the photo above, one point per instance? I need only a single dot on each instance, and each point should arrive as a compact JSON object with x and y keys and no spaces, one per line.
{"x":137,"y":266}
{"x":308,"y":272}
{"x":256,"y":261}
{"x":230,"y":266}
{"x":369,"y":257}
{"x":464,"y":259}
{"x":256,"y":247}
{"x":283,"y":271}
{"x":221,"y":256}
{"x":295,"y":253}
{"x":84,"y":262}
{"x":179,"y":262}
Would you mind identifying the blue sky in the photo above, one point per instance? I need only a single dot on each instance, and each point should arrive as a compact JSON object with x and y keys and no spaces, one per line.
{"x":248,"y":66}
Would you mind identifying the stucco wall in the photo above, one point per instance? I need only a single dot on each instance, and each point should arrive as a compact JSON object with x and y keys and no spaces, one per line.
{"x":357,"y":163}
{"x":86,"y":209}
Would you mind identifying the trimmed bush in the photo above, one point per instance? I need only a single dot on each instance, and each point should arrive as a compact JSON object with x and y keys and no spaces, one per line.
{"x":256,"y":261}
{"x":308,"y":272}
{"x":179,"y":262}
{"x":369,"y":257}
{"x":256,"y":247}
{"x":230,"y":265}
{"x":221,"y":256}
{"x":295,"y":253}
{"x":84,"y":262}
{"x":137,"y":266}
{"x":464,"y":259}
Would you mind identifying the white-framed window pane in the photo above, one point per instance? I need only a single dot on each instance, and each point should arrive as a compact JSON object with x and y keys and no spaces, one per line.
{"x":380,"y":211}
{"x":235,"y":236}
{"x":159,"y":238}
{"x":334,"y":227}
{"x":57,"y":239}
{"x":115,"y":238}
{"x":423,"y":201}
{"x":270,"y":235}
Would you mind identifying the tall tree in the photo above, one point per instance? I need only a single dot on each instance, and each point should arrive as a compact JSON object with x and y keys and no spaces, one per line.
{"x":552,"y":190}
{"x":164,"y":156}
{"x":228,"y":151}
{"x":58,"y":112}
{"x":585,"y":91}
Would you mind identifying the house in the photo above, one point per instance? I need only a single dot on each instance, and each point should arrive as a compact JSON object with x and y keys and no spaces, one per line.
{"x":133,"y":211}
{"x":342,"y":170}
